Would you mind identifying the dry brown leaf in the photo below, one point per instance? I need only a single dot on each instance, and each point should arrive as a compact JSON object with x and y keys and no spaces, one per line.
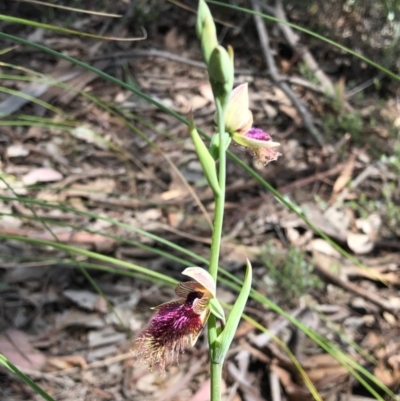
{"x":203,"y":393}
{"x":17,"y":150}
{"x":175,"y":219}
{"x":76,"y":318}
{"x":173,"y":40}
{"x":370,"y":225}
{"x":206,"y":91}
{"x":107,"y":336}
{"x":177,"y":188}
{"x":65,"y":362}
{"x":15,"y":346}
{"x":100,"y":185}
{"x":332,"y":221}
{"x":291,"y":112}
{"x":87,"y":300}
{"x":148,"y":383}
{"x":389,"y":373}
{"x":359,"y":243}
{"x":188,"y":103}
{"x":42,"y":174}
{"x":324,"y":371}
{"x":278,"y":96}
{"x":88,"y":135}
{"x":198,"y":102}
{"x":345,"y":176}
{"x":322,"y":246}
{"x":293,"y":390}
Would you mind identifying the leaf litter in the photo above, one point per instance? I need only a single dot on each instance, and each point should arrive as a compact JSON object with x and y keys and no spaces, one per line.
{"x":54,"y":325}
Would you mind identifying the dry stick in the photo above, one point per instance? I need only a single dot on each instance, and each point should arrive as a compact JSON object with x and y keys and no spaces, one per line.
{"x":245,"y":385}
{"x":277,"y":79}
{"x":275,"y":386}
{"x":306,"y":56}
{"x":355,"y":289}
{"x":172,"y":392}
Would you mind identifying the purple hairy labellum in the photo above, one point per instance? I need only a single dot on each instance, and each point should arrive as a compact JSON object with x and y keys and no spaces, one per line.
{"x":176,"y":324}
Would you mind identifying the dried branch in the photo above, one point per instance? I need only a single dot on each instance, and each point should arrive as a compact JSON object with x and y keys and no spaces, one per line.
{"x":305,"y":54}
{"x":277,"y":79}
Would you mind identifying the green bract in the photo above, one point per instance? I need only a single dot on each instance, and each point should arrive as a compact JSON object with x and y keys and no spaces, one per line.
{"x":206,"y":160}
{"x":217,"y":310}
{"x":224,"y":340}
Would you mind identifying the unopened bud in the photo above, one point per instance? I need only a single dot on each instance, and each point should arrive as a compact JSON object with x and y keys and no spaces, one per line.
{"x":206,"y":31}
{"x":221,"y":73}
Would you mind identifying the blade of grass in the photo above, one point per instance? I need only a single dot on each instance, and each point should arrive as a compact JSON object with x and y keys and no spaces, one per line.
{"x":22,"y":21}
{"x":26,"y":379}
{"x":89,"y":254}
{"x":78,"y":10}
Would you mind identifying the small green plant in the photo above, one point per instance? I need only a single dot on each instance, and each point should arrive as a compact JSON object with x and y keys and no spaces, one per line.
{"x":394,"y":160}
{"x":351,"y":123}
{"x":290,"y":272}
{"x":308,"y":73}
{"x":392,"y":207}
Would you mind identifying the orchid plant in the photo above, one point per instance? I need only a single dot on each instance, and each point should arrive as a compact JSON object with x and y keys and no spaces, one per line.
{"x":178,"y":323}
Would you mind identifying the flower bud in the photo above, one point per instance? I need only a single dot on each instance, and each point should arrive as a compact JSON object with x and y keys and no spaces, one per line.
{"x":221,"y":73}
{"x":206,"y":31}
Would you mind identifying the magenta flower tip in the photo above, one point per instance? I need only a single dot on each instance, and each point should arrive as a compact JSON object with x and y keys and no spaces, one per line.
{"x":258,"y":134}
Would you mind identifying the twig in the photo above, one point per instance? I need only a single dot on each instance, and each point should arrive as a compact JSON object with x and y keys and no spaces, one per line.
{"x":244,"y":384}
{"x":275,"y":386}
{"x":364,"y":86}
{"x":276,"y":78}
{"x":305,"y":54}
{"x":355,"y":289}
{"x":173,"y":391}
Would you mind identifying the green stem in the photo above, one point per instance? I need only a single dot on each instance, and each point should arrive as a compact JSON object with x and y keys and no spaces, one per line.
{"x":216,"y":379}
{"x":216,"y":368}
{"x":219,"y":199}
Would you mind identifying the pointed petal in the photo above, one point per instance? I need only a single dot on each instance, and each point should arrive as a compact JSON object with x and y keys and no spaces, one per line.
{"x":254,"y":143}
{"x":217,"y":310}
{"x":203,"y":277}
{"x":172,"y":303}
{"x":200,"y":305}
{"x":194,"y":336}
{"x":238,"y":117}
{"x":188,"y":287}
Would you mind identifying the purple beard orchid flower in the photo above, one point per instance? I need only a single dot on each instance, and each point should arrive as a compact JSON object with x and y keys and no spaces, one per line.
{"x":238,"y":123}
{"x":177,"y":324}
